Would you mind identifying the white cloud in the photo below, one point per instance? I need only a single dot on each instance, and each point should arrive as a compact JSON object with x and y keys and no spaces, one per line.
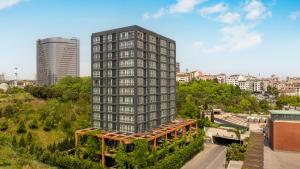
{"x":146,"y":16}
{"x":156,"y":15}
{"x":256,"y":10}
{"x":184,"y":6}
{"x":294,"y":15}
{"x":229,"y":17}
{"x":8,"y":3}
{"x":181,"y":6}
{"x":218,"y":8}
{"x":234,"y":39}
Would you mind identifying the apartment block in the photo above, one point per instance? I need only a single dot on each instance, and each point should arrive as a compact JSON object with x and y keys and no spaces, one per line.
{"x":56,"y":58}
{"x":134,"y":85}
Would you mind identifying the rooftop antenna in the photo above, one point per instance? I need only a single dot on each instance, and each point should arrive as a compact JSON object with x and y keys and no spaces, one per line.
{"x":16,"y":77}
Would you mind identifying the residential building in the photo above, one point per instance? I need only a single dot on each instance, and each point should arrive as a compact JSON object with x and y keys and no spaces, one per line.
{"x":258,"y":86}
{"x":56,"y":58}
{"x":221,"y":78}
{"x":284,"y":126}
{"x":182,"y":77}
{"x":234,"y":80}
{"x":134,"y":85}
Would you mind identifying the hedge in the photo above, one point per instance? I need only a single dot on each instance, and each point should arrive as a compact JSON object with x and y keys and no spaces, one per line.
{"x":180,"y":156}
{"x":67,"y":162}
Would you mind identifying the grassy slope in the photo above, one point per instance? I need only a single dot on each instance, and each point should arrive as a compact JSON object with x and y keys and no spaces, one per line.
{"x":7,"y":154}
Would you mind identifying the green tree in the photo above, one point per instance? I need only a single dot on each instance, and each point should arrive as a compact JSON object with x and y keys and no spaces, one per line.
{"x":245,"y":104}
{"x":264,"y":105}
{"x":189,"y":108}
{"x":272,"y":91}
{"x":93,"y":146}
{"x":29,"y":138}
{"x":21,"y":127}
{"x":22,"y":142}
{"x":3,"y":125}
{"x":14,"y":141}
{"x":139,"y":156}
{"x":121,"y":157}
{"x":235,"y":152}
{"x":33,"y":124}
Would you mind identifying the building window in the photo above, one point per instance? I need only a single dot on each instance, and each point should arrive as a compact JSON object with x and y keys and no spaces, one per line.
{"x":140,"y":35}
{"x":109,"y":38}
{"x":163,"y":43}
{"x":126,"y":110}
{"x":126,"y":119}
{"x":152,"y":48}
{"x":96,"y":40}
{"x":126,"y":100}
{"x":126,"y":44}
{"x":126,"y":128}
{"x":126,"y":91}
{"x":140,"y":44}
{"x":126,"y":63}
{"x":126,"y":82}
{"x":126,"y":35}
{"x":152,"y":39}
{"x":126,"y":54}
{"x":172,"y":46}
{"x":126,"y":72}
{"x":163,"y":51}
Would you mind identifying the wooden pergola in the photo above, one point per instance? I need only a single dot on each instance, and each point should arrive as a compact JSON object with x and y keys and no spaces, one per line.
{"x":151,"y":136}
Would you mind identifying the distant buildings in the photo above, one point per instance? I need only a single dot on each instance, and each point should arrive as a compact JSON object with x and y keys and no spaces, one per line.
{"x":177,"y":67}
{"x":248,"y":83}
{"x":284,"y":129}
{"x":182,"y":77}
{"x":57,"y":58}
{"x":133,"y":73}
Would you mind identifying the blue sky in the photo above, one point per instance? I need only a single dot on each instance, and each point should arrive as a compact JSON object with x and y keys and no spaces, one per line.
{"x":241,"y":36}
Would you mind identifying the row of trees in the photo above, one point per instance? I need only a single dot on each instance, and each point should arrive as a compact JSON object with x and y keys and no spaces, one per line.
{"x":68,"y":88}
{"x":205,"y":95}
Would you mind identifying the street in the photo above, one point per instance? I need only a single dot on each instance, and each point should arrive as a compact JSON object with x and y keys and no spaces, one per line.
{"x":212,"y":157}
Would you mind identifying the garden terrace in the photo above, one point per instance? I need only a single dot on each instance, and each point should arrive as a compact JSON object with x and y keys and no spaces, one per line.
{"x":178,"y":128}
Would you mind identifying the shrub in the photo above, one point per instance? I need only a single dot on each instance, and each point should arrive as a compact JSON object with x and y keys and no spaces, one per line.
{"x":9,"y":111}
{"x":235,"y":152}
{"x":49,"y":124}
{"x":22,"y":142}
{"x":3,"y":126}
{"x":14,"y":141}
{"x":21,"y":127}
{"x":180,"y":156}
{"x":67,"y":162}
{"x":29,"y":138}
{"x":33,"y":124}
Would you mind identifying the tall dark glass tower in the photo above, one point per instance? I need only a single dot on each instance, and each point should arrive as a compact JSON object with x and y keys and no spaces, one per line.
{"x":134,"y":85}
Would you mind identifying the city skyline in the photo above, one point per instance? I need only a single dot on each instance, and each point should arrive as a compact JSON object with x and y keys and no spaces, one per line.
{"x":213,"y":36}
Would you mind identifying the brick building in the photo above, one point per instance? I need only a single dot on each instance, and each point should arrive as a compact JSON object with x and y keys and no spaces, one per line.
{"x":284,"y":130}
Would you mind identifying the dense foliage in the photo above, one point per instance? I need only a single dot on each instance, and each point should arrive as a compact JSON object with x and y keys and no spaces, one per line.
{"x":287,"y":100}
{"x":68,"y":88}
{"x":197,"y":95}
{"x":236,"y":152}
{"x":170,"y":155}
{"x":180,"y":156}
{"x":38,"y":116}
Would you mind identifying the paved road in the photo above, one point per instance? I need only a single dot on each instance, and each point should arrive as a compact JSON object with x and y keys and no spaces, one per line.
{"x":280,"y":159}
{"x":212,"y":157}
